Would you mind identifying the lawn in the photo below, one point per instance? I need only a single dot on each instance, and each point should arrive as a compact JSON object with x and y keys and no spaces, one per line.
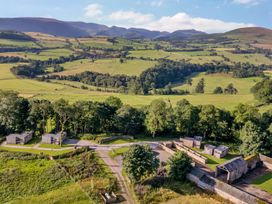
{"x":17,"y":43}
{"x":213,"y":161}
{"x":264,"y":182}
{"x":107,"y":66}
{"x":35,"y":151}
{"x":118,"y":151}
{"x":54,"y":146}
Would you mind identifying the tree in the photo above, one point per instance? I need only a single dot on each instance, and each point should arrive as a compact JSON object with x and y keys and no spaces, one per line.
{"x":244,"y":113}
{"x":64,"y":112}
{"x":140,"y":162}
{"x":130,"y":120}
{"x":14,"y":112}
{"x":114,"y":102}
{"x":200,"y":86}
{"x":179,"y":165}
{"x":40,"y":112}
{"x":230,"y":89}
{"x":218,"y":90}
{"x":263,"y":91}
{"x":251,"y":137}
{"x":158,"y":117}
{"x":186,"y":117}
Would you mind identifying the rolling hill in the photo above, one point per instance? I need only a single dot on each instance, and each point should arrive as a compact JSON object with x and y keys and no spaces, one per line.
{"x":81,"y":29}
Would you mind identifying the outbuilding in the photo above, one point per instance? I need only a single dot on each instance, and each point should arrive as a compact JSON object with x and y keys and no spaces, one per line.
{"x":54,"y":138}
{"x":221,"y":151}
{"x":209,"y":149}
{"x":232,"y":169}
{"x":19,"y":138}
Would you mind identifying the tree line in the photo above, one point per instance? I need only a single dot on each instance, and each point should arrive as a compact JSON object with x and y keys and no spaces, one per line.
{"x":243,"y":124}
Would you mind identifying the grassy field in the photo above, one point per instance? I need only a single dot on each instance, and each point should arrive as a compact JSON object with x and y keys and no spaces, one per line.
{"x":35,"y":151}
{"x":213,"y":80}
{"x":264,"y":182}
{"x":17,"y":43}
{"x":109,"y":66}
{"x":118,"y":151}
{"x":21,"y":177}
{"x":44,"y":55}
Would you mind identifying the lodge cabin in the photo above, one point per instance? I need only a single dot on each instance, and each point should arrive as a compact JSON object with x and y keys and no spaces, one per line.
{"x":23,"y":138}
{"x":54,"y":138}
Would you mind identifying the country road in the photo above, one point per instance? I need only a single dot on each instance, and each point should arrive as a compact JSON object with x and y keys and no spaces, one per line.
{"x":117,"y":170}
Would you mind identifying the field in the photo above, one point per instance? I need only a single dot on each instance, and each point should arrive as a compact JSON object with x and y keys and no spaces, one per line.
{"x":107,"y":66}
{"x":44,"y":55}
{"x":264,"y":182}
{"x":21,"y":176}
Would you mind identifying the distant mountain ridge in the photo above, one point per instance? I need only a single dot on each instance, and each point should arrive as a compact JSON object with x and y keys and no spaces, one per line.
{"x":82,"y":29}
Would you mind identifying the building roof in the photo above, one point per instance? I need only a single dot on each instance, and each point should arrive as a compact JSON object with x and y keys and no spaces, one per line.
{"x":20,"y":136}
{"x":233,"y":164}
{"x":210,"y":146}
{"x":222,"y":148}
{"x":55,"y":136}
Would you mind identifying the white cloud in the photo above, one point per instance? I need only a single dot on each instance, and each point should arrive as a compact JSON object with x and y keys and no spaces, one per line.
{"x":131,"y":17}
{"x":247,"y":2}
{"x":157,"y":3}
{"x":93,"y":10}
{"x":179,"y":21}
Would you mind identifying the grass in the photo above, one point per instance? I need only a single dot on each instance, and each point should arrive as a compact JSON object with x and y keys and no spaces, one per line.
{"x":107,"y":66}
{"x":44,"y":55}
{"x":35,"y":151}
{"x":213,"y":161}
{"x":213,"y":80}
{"x":264,"y":182}
{"x":54,"y":146}
{"x":118,"y":151}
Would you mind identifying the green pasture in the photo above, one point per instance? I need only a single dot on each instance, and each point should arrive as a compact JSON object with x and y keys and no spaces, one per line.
{"x":243,"y":85}
{"x":17,"y":43}
{"x":109,"y":66}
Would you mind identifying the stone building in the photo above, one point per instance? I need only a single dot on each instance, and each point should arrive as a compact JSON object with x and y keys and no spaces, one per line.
{"x":232,"y":169}
{"x":53,"y":138}
{"x":192,"y":142}
{"x":221,"y":151}
{"x":209,"y":149}
{"x":19,"y":138}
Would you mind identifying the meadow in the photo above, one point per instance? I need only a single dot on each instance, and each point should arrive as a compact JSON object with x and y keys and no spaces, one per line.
{"x":22,"y":174}
{"x":107,"y":66}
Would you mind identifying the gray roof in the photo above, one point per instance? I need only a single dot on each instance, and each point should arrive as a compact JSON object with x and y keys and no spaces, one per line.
{"x":222,"y":148}
{"x":55,"y":136}
{"x":233,"y":164}
{"x":210,"y":146}
{"x":21,"y":136}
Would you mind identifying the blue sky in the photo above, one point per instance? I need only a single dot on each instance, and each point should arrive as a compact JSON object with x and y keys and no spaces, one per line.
{"x":165,"y":15}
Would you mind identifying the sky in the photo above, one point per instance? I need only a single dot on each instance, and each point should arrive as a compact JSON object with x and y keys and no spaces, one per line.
{"x":210,"y":16}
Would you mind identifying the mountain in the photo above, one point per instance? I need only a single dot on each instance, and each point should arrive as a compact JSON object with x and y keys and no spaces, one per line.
{"x":81,"y":29}
{"x":180,"y":34}
{"x":253,"y":33}
{"x":42,"y":25}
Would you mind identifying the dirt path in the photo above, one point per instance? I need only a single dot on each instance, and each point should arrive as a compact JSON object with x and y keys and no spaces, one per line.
{"x":117,"y":170}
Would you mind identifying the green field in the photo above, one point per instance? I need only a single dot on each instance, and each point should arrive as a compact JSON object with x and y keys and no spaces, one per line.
{"x":264,"y":182}
{"x":107,"y":66}
{"x":243,"y":85}
{"x":44,"y":55}
{"x":17,"y":43}
{"x":21,"y":176}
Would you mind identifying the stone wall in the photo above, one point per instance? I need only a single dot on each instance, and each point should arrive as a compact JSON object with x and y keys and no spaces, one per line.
{"x":267,"y":161}
{"x":224,"y":190}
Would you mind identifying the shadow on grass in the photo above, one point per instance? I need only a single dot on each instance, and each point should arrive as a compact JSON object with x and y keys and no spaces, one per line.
{"x":263,"y":179}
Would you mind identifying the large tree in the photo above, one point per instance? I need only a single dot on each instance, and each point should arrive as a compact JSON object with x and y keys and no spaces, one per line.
{"x":200,"y":86}
{"x":64,"y":112}
{"x":159,"y":117}
{"x":14,"y":112}
{"x":41,"y":111}
{"x":251,"y":137}
{"x":263,"y":91}
{"x":114,"y":102}
{"x":186,"y":117}
{"x":244,"y":113}
{"x":130,"y":120}
{"x":140,"y":162}
{"x":179,"y":165}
